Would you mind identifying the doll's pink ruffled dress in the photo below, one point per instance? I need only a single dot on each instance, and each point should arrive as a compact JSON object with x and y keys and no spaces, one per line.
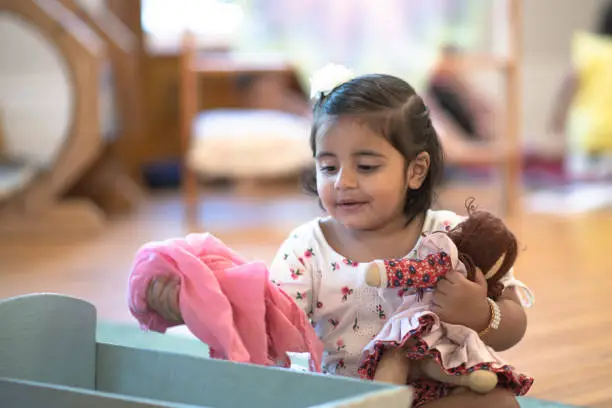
{"x":458,"y":349}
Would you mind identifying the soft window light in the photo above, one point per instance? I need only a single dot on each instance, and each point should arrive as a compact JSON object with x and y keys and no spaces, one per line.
{"x":214,"y":21}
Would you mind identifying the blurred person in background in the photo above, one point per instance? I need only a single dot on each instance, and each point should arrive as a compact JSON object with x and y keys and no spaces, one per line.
{"x":463,"y":116}
{"x":582,"y":108}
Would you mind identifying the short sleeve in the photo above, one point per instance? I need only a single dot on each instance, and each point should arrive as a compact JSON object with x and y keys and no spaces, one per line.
{"x":292,"y":271}
{"x":443,"y":220}
{"x":524,"y":293}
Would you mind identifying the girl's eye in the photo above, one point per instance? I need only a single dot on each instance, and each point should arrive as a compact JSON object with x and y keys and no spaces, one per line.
{"x":328,"y":169}
{"x":368,"y":168}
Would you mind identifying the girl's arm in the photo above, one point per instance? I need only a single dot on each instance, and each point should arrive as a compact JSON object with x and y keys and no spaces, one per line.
{"x":292,"y":271}
{"x":513,"y":323}
{"x":409,"y":274}
{"x":458,"y":300}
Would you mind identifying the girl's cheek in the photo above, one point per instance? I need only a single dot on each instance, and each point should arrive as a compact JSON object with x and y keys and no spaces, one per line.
{"x":325,"y":192}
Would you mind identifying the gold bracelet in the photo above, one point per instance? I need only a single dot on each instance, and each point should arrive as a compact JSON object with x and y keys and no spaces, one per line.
{"x":495,"y":317}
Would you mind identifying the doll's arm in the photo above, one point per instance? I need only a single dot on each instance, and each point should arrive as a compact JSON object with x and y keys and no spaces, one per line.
{"x":409,"y":273}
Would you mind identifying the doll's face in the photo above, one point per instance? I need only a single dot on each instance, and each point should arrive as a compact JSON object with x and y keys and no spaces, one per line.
{"x":488,"y":243}
{"x":495,"y":268}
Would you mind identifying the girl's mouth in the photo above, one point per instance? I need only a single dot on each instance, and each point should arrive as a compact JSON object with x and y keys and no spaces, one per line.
{"x":350,"y":205}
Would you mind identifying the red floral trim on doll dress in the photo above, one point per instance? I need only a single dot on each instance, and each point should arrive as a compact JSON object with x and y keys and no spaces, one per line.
{"x":426,"y":391}
{"x":411,"y":274}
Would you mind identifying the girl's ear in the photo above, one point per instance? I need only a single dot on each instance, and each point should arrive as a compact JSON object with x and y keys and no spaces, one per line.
{"x":417,"y":170}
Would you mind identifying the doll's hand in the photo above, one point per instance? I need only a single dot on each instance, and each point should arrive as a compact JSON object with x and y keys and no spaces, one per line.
{"x":373,"y":275}
{"x":457,"y":300}
{"x":162,"y":297}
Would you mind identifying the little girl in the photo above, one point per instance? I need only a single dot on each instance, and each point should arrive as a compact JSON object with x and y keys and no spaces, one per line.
{"x":378,"y":160}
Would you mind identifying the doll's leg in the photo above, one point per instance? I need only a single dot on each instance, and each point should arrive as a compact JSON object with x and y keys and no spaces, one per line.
{"x":480,"y":381}
{"x":393,"y":367}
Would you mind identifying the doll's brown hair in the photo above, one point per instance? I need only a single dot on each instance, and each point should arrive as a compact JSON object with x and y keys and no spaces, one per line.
{"x":481,"y":239}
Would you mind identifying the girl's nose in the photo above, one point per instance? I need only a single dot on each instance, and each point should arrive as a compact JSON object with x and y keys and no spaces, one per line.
{"x":346,"y":179}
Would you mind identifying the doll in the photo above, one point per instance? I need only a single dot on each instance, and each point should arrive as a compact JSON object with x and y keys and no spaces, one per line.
{"x":415,"y":343}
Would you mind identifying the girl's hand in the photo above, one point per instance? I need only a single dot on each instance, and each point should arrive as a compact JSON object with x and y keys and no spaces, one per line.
{"x":458,"y":300}
{"x":162,"y":297}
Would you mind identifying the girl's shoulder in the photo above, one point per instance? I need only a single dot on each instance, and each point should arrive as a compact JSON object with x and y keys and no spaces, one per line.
{"x":441,"y":220}
{"x":305,"y":231}
{"x":307,"y":235}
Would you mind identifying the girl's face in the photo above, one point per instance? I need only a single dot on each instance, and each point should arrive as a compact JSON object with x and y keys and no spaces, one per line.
{"x":361,"y":178}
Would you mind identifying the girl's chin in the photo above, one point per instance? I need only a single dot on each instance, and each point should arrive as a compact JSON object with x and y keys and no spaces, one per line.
{"x":356,"y":222}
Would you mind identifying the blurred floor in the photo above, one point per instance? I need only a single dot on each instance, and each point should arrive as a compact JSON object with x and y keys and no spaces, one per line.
{"x":565,"y":261}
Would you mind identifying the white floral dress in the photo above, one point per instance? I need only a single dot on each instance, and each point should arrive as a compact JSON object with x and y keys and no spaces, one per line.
{"x":346,"y":312}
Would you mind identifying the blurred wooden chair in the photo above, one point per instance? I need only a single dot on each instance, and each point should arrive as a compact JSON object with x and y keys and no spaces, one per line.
{"x":242,"y":141}
{"x":504,"y":152}
{"x":188,"y":105}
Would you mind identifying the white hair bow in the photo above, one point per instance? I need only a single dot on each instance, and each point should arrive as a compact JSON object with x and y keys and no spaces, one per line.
{"x":324,"y":80}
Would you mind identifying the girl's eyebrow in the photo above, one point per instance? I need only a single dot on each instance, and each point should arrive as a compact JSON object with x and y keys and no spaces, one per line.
{"x":322,"y":155}
{"x":368,"y":153}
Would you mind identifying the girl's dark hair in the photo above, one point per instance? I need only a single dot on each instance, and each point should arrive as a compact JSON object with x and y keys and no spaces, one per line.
{"x":392,"y":108}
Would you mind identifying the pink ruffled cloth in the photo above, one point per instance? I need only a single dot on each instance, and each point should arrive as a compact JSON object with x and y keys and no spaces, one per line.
{"x":458,"y":349}
{"x":226,"y":302}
